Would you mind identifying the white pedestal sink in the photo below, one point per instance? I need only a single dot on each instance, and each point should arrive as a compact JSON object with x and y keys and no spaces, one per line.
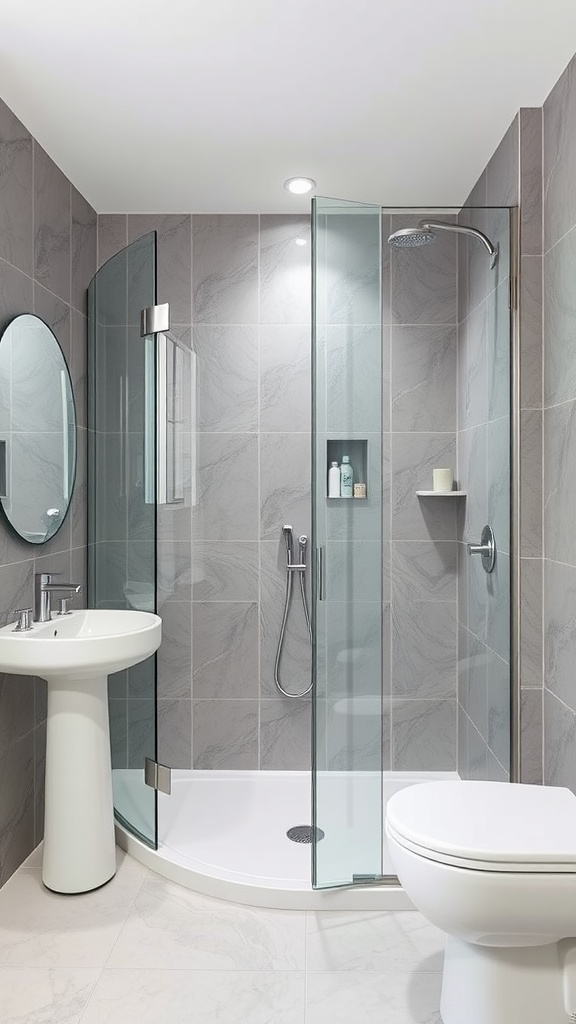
{"x":75,"y":654}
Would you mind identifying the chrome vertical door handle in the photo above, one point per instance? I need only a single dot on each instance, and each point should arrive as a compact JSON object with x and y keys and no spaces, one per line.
{"x":320,"y":573}
{"x":486,"y":549}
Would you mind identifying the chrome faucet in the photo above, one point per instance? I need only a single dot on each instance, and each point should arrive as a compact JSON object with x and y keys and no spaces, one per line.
{"x":43,"y":590}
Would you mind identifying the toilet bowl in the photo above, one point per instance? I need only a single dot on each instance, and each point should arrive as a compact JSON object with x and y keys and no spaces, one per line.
{"x":494,"y":866}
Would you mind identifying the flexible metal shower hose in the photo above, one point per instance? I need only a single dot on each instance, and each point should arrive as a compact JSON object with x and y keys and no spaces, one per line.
{"x":290,"y":570}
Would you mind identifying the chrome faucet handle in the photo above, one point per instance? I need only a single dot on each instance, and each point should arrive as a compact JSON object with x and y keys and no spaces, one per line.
{"x":24,"y":620}
{"x":64,"y":609}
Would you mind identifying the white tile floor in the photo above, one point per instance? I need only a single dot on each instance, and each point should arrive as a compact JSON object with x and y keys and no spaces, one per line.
{"x":146,"y":951}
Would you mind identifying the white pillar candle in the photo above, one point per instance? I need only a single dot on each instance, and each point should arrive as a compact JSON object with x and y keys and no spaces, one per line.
{"x":443,"y":479}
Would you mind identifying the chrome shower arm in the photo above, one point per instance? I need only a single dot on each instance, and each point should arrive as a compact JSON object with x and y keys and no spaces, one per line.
{"x":462,"y":229}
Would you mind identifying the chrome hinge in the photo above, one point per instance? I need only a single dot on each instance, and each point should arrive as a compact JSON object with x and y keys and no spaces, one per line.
{"x":155,"y":319}
{"x":158,"y":776}
{"x":366,"y":879}
{"x":513,"y":293}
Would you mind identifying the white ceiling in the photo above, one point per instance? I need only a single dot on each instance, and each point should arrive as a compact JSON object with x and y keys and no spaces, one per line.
{"x":209,"y":105}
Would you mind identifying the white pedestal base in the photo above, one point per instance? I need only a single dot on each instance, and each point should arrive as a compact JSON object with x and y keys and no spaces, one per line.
{"x":495,"y":985}
{"x":79,"y":850}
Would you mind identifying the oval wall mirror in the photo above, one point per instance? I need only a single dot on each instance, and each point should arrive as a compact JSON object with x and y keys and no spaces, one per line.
{"x":37,"y":430}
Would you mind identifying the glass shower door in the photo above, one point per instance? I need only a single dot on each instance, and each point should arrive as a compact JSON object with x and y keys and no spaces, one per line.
{"x":348,"y":590}
{"x":122,"y":506}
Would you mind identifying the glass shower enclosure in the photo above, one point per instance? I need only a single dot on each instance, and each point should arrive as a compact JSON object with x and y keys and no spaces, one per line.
{"x":122,"y":482}
{"x":412,"y":631}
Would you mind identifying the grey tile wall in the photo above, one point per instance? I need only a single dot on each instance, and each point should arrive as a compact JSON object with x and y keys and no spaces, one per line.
{"x":559,"y":708}
{"x":47,"y":258}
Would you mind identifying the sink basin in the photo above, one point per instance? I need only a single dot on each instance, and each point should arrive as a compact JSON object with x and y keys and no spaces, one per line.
{"x":75,"y":654}
{"x":95,"y":641}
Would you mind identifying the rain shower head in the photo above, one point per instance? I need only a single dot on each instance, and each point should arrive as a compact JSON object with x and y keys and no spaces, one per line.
{"x":410,"y":238}
{"x":424,"y":234}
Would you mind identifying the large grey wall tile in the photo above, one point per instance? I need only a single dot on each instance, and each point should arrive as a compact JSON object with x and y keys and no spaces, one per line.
{"x":560,"y":630}
{"x":531,"y":642}
{"x":225,"y":650}
{"x":225,"y":571}
{"x":498,"y":480}
{"x":423,"y":735}
{"x":284,"y":483}
{"x":285,"y":389}
{"x":499,"y":348}
{"x":285,"y":743}
{"x":559,"y":743}
{"x":424,"y":570}
{"x":502,"y":172}
{"x":423,"y":279}
{"x":57,"y":315}
{"x":174,"y":572}
{"x":530,"y":482}
{"x":473,"y":368}
{"x":17,"y":709}
{"x":531,"y":332}
{"x":175,"y":733}
{"x":560,"y":321}
{"x":560,"y":157}
{"x":227,"y":507}
{"x":112,"y":235}
{"x":174,"y":658}
{"x":225,"y":733}
{"x":497,"y":597}
{"x":498,"y":706}
{"x":16,"y":293}
{"x":350,"y":375}
{"x":473,"y":509}
{"x":356,"y":734}
{"x":78,"y":369}
{"x":174,"y":259}
{"x":560,"y":482}
{"x":349,"y":264}
{"x":414,"y":456}
{"x":227,"y":378}
{"x":225,"y":269}
{"x":285,"y":269}
{"x":15,"y":191}
{"x":52,"y":216}
{"x":424,"y":649}
{"x":424,"y":378}
{"x":83,"y":249}
{"x":355,"y":572}
{"x":531,"y":740}
{"x":531,"y":180}
{"x":17,"y":810}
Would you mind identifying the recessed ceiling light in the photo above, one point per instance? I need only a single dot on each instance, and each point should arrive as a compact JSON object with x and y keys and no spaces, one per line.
{"x":299,"y":186}
{"x":301,"y":241}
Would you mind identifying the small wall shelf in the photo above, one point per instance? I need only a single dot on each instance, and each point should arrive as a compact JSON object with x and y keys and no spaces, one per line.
{"x":441,"y":494}
{"x":357,"y":450}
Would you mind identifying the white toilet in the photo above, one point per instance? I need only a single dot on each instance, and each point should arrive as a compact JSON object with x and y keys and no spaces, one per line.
{"x":493,"y":864}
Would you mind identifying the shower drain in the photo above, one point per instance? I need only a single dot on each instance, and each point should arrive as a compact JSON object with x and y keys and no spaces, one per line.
{"x":305,"y":834}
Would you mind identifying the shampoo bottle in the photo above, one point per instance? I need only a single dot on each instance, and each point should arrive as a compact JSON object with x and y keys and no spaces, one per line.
{"x":346,"y":478}
{"x":334,"y":481}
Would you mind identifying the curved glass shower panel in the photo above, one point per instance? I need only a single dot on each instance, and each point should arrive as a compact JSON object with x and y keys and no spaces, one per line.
{"x":348,"y":605}
{"x":122,"y":505}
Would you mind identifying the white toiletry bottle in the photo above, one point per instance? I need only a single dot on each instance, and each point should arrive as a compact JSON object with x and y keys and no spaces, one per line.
{"x":346,"y":478}
{"x":334,"y":480}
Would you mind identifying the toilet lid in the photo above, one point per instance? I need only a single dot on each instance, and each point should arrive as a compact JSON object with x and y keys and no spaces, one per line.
{"x":492,"y":825}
